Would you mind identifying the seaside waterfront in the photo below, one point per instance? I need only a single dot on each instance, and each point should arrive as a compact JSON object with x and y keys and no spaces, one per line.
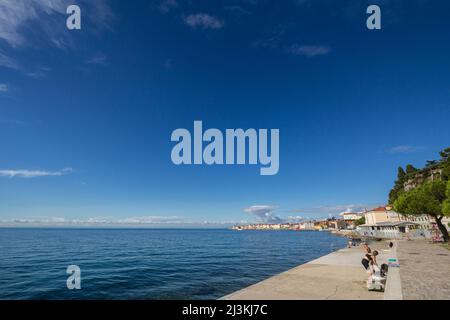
{"x":422,"y":274}
{"x":150,"y":263}
{"x":336,"y":276}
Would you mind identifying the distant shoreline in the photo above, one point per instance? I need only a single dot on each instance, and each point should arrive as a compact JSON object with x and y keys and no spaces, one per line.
{"x":116,"y":227}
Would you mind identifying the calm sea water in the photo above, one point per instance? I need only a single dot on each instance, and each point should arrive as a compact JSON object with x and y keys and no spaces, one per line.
{"x":149,"y":263}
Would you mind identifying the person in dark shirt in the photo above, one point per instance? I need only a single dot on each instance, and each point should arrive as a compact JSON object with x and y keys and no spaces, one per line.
{"x":369,"y":260}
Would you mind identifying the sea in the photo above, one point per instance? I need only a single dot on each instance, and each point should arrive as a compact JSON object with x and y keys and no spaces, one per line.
{"x":152,"y":264}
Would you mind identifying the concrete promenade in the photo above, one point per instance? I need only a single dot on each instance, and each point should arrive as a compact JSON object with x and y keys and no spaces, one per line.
{"x":337,"y":276}
{"x":424,"y":270}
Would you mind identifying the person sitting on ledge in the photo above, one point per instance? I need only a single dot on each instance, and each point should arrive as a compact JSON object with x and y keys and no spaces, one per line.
{"x":369,"y":261}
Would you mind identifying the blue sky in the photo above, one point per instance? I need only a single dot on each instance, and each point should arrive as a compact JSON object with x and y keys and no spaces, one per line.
{"x":86,"y":116}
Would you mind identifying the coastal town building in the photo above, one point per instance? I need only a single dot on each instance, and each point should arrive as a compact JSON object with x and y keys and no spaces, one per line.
{"x":320,"y":224}
{"x":384,"y":222}
{"x":306,"y":225}
{"x":381,"y":215}
{"x":337,"y":224}
{"x":326,"y":224}
{"x":424,"y":221}
{"x":381,"y":222}
{"x":350,"y":219}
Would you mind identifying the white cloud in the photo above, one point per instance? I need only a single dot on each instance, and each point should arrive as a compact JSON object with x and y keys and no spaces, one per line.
{"x":294,"y":219}
{"x":98,"y":59}
{"x":152,"y":220}
{"x":335,"y":209}
{"x":264,"y":213}
{"x":353,"y":210}
{"x":309,"y":51}
{"x":8,"y":62}
{"x":46,"y":17}
{"x":237,"y":10}
{"x":138,"y":221}
{"x":204,"y":21}
{"x":168,"y":5}
{"x":4,"y":87}
{"x":38,"y":73}
{"x":405,"y":149}
{"x":15,"y":13}
{"x":34,"y":173}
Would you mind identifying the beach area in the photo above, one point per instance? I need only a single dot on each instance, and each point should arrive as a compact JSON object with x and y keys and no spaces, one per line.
{"x":422,"y":274}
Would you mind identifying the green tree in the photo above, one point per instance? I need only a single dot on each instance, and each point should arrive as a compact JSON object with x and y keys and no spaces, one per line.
{"x":445,"y":154}
{"x":410,"y":169}
{"x":446,"y":206}
{"x":360,"y":221}
{"x":401,"y":174}
{"x":445,"y":163}
{"x":431,"y":163}
{"x":398,"y":186}
{"x":430,"y":198}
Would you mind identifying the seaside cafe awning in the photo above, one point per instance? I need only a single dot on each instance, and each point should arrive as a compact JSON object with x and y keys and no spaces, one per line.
{"x":391,"y":224}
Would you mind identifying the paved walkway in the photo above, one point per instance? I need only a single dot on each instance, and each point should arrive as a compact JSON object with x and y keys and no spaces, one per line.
{"x":337,"y":276}
{"x":424,"y":270}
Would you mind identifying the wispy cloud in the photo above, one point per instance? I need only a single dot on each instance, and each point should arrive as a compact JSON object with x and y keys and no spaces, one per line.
{"x":34,"y":173}
{"x":203,"y":20}
{"x":11,"y":121}
{"x":294,"y":219}
{"x":280,"y":36}
{"x":309,"y":50}
{"x":237,"y":10}
{"x":138,"y":221}
{"x":152,"y":220}
{"x":405,"y":149}
{"x":167,"y":5}
{"x":4,"y":87}
{"x":8,"y":62}
{"x":16,"y":15}
{"x":38,"y":73}
{"x":274,"y":37}
{"x":334,"y":210}
{"x":98,"y":59}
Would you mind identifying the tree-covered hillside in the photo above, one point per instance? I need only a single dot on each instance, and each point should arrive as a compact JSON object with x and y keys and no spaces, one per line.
{"x":424,"y":191}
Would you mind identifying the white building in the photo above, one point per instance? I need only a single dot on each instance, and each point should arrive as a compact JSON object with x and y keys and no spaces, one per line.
{"x":306,"y":225}
{"x":383,"y":222}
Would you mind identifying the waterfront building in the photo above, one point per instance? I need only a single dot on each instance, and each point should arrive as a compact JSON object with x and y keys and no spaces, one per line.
{"x":336,"y":224}
{"x":350,"y":219}
{"x":381,"y":215}
{"x":320,"y":224}
{"x":384,"y":222}
{"x":306,"y":225}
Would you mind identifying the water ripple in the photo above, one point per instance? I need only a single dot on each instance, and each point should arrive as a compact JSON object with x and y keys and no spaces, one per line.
{"x":150,"y":263}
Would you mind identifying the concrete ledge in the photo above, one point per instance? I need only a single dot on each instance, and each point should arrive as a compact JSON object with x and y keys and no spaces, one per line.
{"x":393,"y":289}
{"x":337,"y":276}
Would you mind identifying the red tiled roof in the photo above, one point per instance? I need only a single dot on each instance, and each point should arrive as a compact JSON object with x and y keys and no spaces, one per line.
{"x":380,"y":209}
